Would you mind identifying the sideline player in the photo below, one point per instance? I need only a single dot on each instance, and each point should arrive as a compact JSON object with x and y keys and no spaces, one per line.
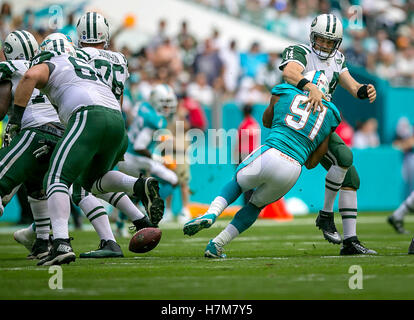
{"x":297,"y":137}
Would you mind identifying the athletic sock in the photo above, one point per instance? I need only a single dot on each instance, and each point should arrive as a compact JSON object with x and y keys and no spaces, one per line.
{"x":114,"y":181}
{"x":406,"y":207}
{"x":230,"y":192}
{"x":96,"y":213}
{"x":245,"y":217}
{"x":41,"y":217}
{"x":59,"y":207}
{"x":227,"y":235}
{"x":124,"y":204}
{"x":333,"y":182}
{"x":348,"y":208}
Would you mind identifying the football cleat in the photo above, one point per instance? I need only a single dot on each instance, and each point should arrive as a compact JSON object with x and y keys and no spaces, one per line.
{"x":398,"y":225}
{"x":25,"y":237}
{"x":197,"y":224}
{"x":40,"y":249}
{"x":325,"y":222}
{"x":352,"y":246}
{"x":139,"y":224}
{"x":213,"y":250}
{"x":106,"y":249}
{"x":411,"y":248}
{"x":61,"y":253}
{"x":147,"y":190}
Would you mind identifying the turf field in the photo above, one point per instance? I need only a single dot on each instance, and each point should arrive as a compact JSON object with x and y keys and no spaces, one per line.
{"x":271,"y":260}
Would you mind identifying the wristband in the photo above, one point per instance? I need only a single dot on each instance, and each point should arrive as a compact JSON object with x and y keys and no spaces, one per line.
{"x":17,"y":115}
{"x":363,"y":92}
{"x":302,"y":83}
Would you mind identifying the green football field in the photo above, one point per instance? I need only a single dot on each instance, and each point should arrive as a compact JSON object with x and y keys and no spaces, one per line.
{"x":288,"y":260}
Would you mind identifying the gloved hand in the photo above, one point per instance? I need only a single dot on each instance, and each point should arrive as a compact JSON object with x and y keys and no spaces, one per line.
{"x":11,"y":131}
{"x":45,"y":149}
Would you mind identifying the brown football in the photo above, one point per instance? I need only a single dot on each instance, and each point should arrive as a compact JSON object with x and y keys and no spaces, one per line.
{"x":145,"y":240}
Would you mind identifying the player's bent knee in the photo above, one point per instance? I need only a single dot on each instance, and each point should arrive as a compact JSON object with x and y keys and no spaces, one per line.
{"x":345,"y":157}
{"x":351,"y":179}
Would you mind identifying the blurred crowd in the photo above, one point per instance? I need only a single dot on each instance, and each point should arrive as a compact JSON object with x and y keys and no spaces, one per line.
{"x":378,"y":34}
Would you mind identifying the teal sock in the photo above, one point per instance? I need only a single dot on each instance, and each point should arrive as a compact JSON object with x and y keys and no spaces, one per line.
{"x":231,"y":191}
{"x":245,"y":217}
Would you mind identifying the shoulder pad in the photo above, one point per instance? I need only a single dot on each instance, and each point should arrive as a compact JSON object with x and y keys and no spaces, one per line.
{"x":43,"y":56}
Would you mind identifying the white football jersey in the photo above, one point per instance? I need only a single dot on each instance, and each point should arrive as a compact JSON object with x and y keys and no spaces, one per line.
{"x":74,"y":84}
{"x":304,"y":55}
{"x":113,"y":67}
{"x":39,"y":110}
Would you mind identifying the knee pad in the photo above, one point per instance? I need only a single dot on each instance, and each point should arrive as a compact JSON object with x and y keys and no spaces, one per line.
{"x":351,"y":179}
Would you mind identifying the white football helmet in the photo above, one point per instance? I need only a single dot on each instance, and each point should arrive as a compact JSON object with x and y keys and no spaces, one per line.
{"x":326,"y":26}
{"x":92,"y":27}
{"x":319,"y":79}
{"x":20,"y":45}
{"x":58,"y":42}
{"x":163,"y":99}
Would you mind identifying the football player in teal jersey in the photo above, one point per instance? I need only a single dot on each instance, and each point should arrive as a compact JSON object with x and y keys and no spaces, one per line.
{"x":298,"y":137}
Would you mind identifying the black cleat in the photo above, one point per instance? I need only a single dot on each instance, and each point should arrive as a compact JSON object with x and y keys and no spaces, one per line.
{"x":106,"y":249}
{"x":411,"y":248}
{"x":352,"y":246}
{"x":147,"y":190}
{"x":61,"y":253}
{"x":40,"y":249}
{"x":325,"y":222}
{"x":140,"y":224}
{"x":398,"y":225}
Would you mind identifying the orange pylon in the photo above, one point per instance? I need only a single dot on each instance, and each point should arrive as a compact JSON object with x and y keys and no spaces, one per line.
{"x":276,"y":210}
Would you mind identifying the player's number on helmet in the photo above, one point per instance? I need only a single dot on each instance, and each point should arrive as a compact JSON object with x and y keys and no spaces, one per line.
{"x":298,"y":109}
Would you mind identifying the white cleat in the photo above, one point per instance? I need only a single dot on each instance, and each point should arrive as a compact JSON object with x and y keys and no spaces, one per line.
{"x":25,"y":237}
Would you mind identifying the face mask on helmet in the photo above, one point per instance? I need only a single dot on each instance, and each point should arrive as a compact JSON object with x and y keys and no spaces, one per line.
{"x":92,"y":28}
{"x":164,"y":100}
{"x":20,"y":45}
{"x":326,"y":35}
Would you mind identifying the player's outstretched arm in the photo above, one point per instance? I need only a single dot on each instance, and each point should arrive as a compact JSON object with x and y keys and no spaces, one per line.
{"x":267,"y":117}
{"x":318,"y":154}
{"x":358,"y":90}
{"x":5,"y":97}
{"x":292,"y":74}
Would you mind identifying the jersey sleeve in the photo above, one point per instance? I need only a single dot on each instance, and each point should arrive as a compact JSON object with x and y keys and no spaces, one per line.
{"x":43,"y":57}
{"x":294,"y":53}
{"x":6,"y":70}
{"x":343,"y":64}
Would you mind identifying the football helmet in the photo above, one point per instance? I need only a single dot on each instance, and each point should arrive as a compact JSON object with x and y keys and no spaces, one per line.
{"x":163,"y":99}
{"x":92,"y":27}
{"x":58,"y":42}
{"x":20,"y":45}
{"x":319,"y":79}
{"x":328,"y":27}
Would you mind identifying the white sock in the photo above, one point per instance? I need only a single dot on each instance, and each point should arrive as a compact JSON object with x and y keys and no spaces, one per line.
{"x":217,"y":206}
{"x":333,"y":182}
{"x":405,"y":207}
{"x":123,"y":203}
{"x":41,"y":217}
{"x":114,"y":181}
{"x":228,"y":234}
{"x":348,"y":208}
{"x":59,"y":208}
{"x":95,"y":212}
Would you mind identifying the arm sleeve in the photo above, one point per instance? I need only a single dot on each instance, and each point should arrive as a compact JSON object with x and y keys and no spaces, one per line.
{"x":143,"y":139}
{"x":293,"y":53}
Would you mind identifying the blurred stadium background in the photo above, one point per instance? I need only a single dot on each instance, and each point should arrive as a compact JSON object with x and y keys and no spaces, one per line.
{"x":222,"y":56}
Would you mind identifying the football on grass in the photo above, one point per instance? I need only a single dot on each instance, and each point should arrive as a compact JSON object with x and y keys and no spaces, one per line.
{"x":145,"y":240}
